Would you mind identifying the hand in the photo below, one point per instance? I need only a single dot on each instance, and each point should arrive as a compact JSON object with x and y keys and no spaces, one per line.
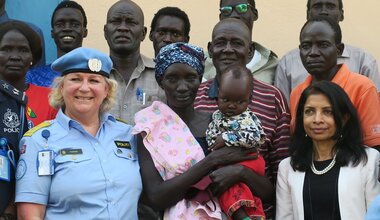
{"x":231,"y":155}
{"x":224,"y":177}
{"x":219,"y":143}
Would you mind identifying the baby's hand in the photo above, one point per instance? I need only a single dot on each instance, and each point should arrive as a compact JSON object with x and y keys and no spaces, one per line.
{"x":219,"y":143}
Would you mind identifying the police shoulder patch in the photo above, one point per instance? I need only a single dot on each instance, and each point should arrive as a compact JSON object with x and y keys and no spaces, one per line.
{"x":121,"y":120}
{"x":38,"y":127}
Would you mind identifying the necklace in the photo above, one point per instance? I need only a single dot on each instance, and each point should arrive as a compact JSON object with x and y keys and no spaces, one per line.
{"x":321,"y":172}
{"x":308,"y":175}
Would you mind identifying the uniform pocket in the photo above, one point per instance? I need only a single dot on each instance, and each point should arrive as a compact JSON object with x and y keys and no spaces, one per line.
{"x":125,"y":153}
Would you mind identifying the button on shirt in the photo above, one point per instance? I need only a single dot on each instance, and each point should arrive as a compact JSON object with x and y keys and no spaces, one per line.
{"x":102,"y":182}
{"x":130,"y":98}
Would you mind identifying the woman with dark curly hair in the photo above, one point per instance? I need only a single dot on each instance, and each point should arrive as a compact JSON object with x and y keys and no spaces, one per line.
{"x":330,"y":174}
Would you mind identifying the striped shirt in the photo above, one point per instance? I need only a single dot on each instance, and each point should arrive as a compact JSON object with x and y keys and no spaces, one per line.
{"x":270,"y":107}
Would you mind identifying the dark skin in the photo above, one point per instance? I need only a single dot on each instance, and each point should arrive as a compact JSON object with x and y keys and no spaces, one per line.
{"x":15,"y":59}
{"x":68,"y":30}
{"x":319,"y":51}
{"x":249,"y":18}
{"x":169,"y":29}
{"x":155,"y":188}
{"x":230,"y":45}
{"x":124,"y":32}
{"x":231,"y":39}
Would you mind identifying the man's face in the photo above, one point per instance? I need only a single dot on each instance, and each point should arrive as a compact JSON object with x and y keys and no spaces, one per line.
{"x":169,"y":29}
{"x":248,"y":18}
{"x":124,"y":30}
{"x":68,"y":29}
{"x":325,"y":7}
{"x":318,"y":49}
{"x":230,"y":45}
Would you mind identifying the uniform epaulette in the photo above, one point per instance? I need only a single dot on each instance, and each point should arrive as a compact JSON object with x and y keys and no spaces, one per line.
{"x":121,"y":120}
{"x":38,"y":127}
{"x":14,"y":93}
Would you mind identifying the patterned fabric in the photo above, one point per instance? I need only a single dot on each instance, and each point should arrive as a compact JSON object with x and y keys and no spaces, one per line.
{"x":41,"y":76}
{"x":244,"y":130}
{"x":180,"y":53}
{"x":174,"y":150}
{"x":271,"y":109}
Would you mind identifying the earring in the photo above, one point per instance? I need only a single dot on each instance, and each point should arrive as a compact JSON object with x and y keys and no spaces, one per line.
{"x":31,"y":63}
{"x":305,"y":135}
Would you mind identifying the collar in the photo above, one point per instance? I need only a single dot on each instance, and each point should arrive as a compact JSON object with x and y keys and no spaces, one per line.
{"x":68,"y":123}
{"x":263,"y":51}
{"x":345,"y":53}
{"x":4,"y":17}
{"x":339,"y":77}
{"x":214,"y":89}
{"x":142,"y":63}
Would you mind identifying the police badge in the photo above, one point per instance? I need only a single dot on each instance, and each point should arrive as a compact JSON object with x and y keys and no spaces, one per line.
{"x":12,"y":121}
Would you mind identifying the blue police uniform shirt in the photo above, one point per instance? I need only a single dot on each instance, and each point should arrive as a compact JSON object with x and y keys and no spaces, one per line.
{"x":101,"y":183}
{"x":41,"y":76}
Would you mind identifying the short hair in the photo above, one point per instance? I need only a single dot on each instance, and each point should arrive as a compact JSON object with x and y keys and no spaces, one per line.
{"x":251,"y":2}
{"x":239,"y":72}
{"x":174,"y":12}
{"x":34,"y":40}
{"x":331,"y":22}
{"x":69,"y":4}
{"x":348,"y":134}
{"x":340,"y":5}
{"x":57,"y":102}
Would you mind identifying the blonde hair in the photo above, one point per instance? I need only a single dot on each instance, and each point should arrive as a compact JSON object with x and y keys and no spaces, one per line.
{"x":57,"y":102}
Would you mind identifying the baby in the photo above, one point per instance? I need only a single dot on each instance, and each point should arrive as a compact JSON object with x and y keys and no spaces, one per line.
{"x":234,"y":125}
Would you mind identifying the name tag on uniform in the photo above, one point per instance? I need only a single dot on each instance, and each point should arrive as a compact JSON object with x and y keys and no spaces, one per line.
{"x":5,"y":172}
{"x":123,"y":144}
{"x":45,"y":163}
{"x":64,"y":152}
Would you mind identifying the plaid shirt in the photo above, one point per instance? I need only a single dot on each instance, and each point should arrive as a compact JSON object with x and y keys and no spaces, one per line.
{"x":130,"y":95}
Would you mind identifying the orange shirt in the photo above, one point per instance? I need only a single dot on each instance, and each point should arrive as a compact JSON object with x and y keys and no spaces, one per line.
{"x":363,"y":95}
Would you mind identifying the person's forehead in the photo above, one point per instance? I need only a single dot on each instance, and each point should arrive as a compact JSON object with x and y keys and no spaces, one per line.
{"x":313,"y":2}
{"x":125,"y":8}
{"x":62,"y":12}
{"x":320,"y":28}
{"x":232,"y":2}
{"x":14,"y":35}
{"x":169,"y":20}
{"x":234,"y":29}
{"x":231,"y":84}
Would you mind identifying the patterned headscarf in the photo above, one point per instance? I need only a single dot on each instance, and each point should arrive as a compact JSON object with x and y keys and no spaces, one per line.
{"x":180,"y":53}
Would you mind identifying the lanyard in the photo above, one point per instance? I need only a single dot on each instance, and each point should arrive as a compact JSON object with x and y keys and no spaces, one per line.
{"x":7,"y":151}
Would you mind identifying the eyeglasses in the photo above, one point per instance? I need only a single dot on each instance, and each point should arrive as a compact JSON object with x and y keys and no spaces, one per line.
{"x":240,"y":8}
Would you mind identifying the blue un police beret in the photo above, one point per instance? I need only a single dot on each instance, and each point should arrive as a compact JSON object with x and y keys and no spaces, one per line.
{"x":83,"y":60}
